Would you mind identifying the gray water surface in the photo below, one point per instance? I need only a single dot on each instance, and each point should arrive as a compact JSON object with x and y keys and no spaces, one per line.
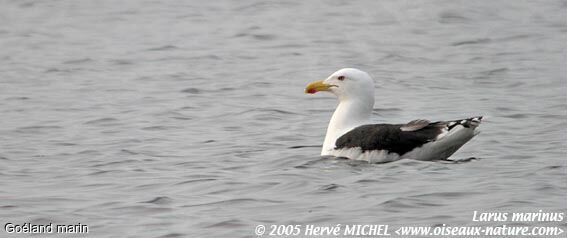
{"x":188,"y":118}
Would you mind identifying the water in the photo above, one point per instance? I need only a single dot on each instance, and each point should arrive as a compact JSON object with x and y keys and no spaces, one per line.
{"x":188,"y":119}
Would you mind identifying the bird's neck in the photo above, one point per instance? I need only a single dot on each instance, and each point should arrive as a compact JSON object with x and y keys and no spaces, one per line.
{"x":348,"y":115}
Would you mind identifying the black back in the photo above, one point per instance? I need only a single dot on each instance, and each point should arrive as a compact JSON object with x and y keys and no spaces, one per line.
{"x":388,"y":137}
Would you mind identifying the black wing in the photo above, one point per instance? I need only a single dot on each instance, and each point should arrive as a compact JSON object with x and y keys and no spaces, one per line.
{"x":388,"y":137}
{"x":401,"y":138}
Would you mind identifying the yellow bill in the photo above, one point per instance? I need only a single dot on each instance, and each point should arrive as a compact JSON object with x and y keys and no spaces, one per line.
{"x":317,"y":86}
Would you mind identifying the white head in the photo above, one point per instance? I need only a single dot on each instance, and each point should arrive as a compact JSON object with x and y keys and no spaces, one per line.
{"x":346,"y":84}
{"x":355,"y":90}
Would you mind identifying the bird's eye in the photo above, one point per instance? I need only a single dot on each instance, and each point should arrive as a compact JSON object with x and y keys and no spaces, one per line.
{"x":341,"y":78}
